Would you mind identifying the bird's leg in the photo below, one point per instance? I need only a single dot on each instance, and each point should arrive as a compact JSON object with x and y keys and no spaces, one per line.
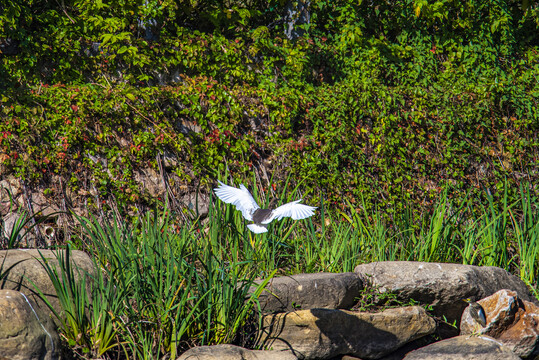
{"x":251,"y":240}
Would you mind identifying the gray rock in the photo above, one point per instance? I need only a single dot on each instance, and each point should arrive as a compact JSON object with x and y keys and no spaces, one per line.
{"x":310,"y":291}
{"x":511,"y":321}
{"x":11,"y":221}
{"x":26,"y":332}
{"x":41,"y":204}
{"x":401,"y":352}
{"x":231,"y":352}
{"x":463,"y":348}
{"x":24,"y":226}
{"x":21,"y":227}
{"x":6,"y":207}
{"x":196,"y":202}
{"x":325,"y":333}
{"x":170,"y":160}
{"x":151,"y":181}
{"x":186,"y":126}
{"x":297,"y":13}
{"x":25,"y":268}
{"x":441,"y":285}
{"x":10,"y":188}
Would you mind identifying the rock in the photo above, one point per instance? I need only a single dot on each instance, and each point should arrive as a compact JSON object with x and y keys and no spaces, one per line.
{"x":36,"y":198}
{"x":27,"y":269}
{"x":22,"y":227}
{"x":310,"y":291}
{"x":196,"y":202}
{"x":10,"y":221}
{"x":50,"y":211}
{"x":186,"y":126}
{"x":401,"y":352}
{"x":6,"y":207}
{"x":39,"y":201}
{"x":10,"y":188}
{"x":27,"y":235}
{"x":462,"y":348}
{"x":326,"y":333}
{"x":443,"y":286}
{"x":151,"y":181}
{"x":26,"y":332}
{"x":170,"y":160}
{"x":513,"y":322}
{"x":231,"y":352}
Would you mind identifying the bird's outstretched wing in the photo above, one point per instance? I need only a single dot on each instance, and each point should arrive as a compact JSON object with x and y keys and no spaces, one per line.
{"x":293,"y":209}
{"x":241,"y":198}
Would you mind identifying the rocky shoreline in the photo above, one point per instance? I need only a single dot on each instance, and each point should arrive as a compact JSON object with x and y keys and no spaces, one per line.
{"x":317,"y":316}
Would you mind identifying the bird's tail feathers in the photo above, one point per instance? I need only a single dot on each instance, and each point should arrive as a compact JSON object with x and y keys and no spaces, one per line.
{"x":257,"y":229}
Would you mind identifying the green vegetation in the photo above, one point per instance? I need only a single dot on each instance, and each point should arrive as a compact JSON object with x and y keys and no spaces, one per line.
{"x":413,"y":124}
{"x":389,"y":101}
{"x":163,"y":286}
{"x":158,"y":290}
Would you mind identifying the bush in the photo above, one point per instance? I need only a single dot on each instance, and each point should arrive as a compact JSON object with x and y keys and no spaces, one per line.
{"x":392,"y":101}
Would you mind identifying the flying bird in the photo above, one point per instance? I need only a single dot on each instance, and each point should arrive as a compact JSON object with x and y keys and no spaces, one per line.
{"x":243,"y":201}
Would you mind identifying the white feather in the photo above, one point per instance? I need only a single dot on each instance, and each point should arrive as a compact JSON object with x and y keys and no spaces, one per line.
{"x":241,"y":198}
{"x":293,"y":209}
{"x":257,"y":229}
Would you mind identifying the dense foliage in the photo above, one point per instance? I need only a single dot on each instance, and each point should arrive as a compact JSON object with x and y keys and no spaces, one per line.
{"x":169,"y":287}
{"x":390,"y":100}
{"x":375,"y":106}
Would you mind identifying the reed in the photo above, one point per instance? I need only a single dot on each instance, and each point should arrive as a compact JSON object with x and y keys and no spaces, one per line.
{"x":163,"y":285}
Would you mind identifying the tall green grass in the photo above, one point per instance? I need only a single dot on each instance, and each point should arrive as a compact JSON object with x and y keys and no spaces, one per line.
{"x":526,"y":233}
{"x":157,"y":291}
{"x":473,"y":231}
{"x":164,"y":285}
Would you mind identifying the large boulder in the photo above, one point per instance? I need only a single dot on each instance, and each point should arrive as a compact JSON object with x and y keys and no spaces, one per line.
{"x":26,"y":332}
{"x":231,"y":352}
{"x":464,"y":348}
{"x":511,"y":321}
{"x":24,"y":268}
{"x":443,"y":286}
{"x":325,"y":333}
{"x":310,"y":291}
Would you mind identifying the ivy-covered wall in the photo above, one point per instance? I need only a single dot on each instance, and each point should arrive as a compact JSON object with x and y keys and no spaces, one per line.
{"x":386,"y":100}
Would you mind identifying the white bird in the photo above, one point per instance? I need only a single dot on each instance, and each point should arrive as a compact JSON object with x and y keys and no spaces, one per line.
{"x":243,"y":201}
